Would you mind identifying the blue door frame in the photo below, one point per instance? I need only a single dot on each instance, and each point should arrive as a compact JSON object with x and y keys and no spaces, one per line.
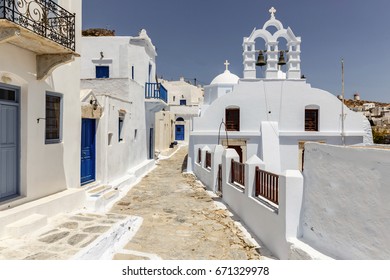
{"x":179,"y":135}
{"x":88,"y":151}
{"x":9,"y":142}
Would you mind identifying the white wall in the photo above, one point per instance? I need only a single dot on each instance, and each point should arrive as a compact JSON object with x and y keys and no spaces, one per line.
{"x":274,"y":225}
{"x":45,"y":168}
{"x":345,"y":210}
{"x":120,"y":53}
{"x":281,"y":102}
{"x":115,"y":160}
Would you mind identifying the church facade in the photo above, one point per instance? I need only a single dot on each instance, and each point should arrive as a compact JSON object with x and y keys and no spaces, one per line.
{"x":273,"y":116}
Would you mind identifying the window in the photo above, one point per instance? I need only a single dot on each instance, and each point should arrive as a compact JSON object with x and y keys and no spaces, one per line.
{"x":174,"y":98}
{"x":53,"y":118}
{"x":102,"y":72}
{"x":232,"y":117}
{"x":121,"y":119}
{"x":180,"y":119}
{"x":7,"y":95}
{"x":183,"y":102}
{"x":132,"y":72}
{"x":311,"y":120}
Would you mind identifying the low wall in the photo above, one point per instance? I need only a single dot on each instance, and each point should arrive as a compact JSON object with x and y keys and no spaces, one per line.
{"x":274,"y":225}
{"x":345,"y":209}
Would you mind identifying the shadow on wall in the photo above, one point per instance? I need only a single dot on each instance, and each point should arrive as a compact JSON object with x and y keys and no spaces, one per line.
{"x":184,"y":164}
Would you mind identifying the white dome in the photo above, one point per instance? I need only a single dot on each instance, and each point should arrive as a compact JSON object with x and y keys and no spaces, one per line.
{"x":226,"y":78}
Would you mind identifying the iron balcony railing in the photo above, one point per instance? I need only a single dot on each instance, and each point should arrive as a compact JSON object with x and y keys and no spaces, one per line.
{"x":43,"y":17}
{"x":156,"y":91}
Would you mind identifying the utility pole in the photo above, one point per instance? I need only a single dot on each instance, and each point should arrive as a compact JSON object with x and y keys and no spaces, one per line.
{"x":342,"y":103}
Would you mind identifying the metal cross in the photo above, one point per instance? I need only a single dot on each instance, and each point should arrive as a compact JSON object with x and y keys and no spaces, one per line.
{"x":272,"y":11}
{"x":227,"y":64}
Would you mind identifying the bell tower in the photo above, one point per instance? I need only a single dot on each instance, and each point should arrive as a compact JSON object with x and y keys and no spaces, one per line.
{"x":273,"y":56}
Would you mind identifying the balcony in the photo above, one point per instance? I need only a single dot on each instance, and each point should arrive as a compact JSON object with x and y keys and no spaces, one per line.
{"x":42,"y":27}
{"x":156,"y":91}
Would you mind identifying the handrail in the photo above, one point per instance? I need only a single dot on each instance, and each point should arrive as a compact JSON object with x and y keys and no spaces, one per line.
{"x":267,"y":185}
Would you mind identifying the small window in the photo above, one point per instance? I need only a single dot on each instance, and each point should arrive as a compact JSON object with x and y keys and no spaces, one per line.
{"x":180,"y":119}
{"x":7,"y":95}
{"x":53,"y":118}
{"x":232,"y":117}
{"x":132,"y":72}
{"x":135,"y":134}
{"x":174,"y":98}
{"x":311,"y":120}
{"x":102,"y":72}
{"x":183,"y":102}
{"x":121,"y":120}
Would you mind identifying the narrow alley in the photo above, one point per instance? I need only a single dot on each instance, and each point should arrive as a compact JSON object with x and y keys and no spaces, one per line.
{"x":181,"y":220}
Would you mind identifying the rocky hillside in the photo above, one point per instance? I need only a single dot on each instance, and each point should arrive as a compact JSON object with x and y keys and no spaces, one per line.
{"x":356,"y":103}
{"x":98,"y":32}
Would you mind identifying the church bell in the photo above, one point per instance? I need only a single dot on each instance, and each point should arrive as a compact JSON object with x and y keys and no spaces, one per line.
{"x":281,"y":59}
{"x":260,"y":59}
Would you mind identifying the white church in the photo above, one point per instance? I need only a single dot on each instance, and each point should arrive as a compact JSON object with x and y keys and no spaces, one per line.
{"x":271,"y":116}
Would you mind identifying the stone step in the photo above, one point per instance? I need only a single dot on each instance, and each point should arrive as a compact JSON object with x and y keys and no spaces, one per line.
{"x":26,"y":225}
{"x":97,"y":191}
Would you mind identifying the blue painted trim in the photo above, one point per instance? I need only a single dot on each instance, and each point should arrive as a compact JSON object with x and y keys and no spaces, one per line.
{"x":16,"y":103}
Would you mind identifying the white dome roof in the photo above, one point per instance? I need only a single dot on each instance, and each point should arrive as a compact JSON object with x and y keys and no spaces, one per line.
{"x":226,"y":78}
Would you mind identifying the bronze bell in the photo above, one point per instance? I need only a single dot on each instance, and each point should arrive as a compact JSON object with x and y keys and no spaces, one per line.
{"x":260,"y":59}
{"x":281,"y":59}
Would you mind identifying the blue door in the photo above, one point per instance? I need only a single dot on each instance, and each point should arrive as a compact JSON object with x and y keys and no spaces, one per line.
{"x":9,"y":147}
{"x":151,"y":143}
{"x":179,"y":132}
{"x":88,"y":153}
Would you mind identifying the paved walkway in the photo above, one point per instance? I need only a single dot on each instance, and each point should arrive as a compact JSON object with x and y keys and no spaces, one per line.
{"x":180,"y":219}
{"x":168,"y":215}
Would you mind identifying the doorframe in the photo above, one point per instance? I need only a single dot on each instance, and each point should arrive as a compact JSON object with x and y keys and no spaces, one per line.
{"x":17,"y":104}
{"x":184,"y":132}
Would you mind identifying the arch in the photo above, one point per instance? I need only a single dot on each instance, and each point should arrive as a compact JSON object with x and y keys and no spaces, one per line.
{"x":312,"y":107}
{"x":273,"y":22}
{"x":260,"y":33}
{"x":180,"y":119}
{"x":12,"y":79}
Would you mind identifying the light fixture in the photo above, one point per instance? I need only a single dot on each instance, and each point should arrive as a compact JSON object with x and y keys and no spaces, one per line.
{"x":94,"y":104}
{"x":101,"y":55}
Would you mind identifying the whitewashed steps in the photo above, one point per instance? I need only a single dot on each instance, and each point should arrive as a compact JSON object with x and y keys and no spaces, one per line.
{"x":26,"y":225}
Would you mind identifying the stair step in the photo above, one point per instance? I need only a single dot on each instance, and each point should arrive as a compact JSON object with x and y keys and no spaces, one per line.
{"x":26,"y":225}
{"x":110,"y":194}
{"x":98,"y":190}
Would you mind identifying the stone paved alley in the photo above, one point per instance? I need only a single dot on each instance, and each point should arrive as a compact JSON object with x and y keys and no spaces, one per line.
{"x":177,"y":219}
{"x":181,"y":220}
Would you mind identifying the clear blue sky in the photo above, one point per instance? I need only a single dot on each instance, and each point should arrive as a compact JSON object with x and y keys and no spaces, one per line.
{"x":193,"y":38}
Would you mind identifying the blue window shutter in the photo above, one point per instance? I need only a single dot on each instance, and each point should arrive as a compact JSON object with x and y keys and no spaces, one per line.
{"x":102,"y":72}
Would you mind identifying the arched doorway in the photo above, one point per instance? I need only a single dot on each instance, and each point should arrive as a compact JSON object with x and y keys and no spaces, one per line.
{"x":179,"y":129}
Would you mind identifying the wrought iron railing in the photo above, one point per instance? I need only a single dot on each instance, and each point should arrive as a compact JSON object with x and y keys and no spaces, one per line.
{"x":238,"y":173}
{"x":43,"y":17}
{"x":156,"y":91}
{"x":267,"y":185}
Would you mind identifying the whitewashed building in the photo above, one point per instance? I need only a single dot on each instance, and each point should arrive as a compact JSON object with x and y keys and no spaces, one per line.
{"x":248,"y":143}
{"x":120,"y":96}
{"x":39,"y":112}
{"x":174,"y":123}
{"x":271,"y":116}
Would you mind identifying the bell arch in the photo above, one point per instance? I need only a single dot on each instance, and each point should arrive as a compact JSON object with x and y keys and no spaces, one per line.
{"x":291,"y":53}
